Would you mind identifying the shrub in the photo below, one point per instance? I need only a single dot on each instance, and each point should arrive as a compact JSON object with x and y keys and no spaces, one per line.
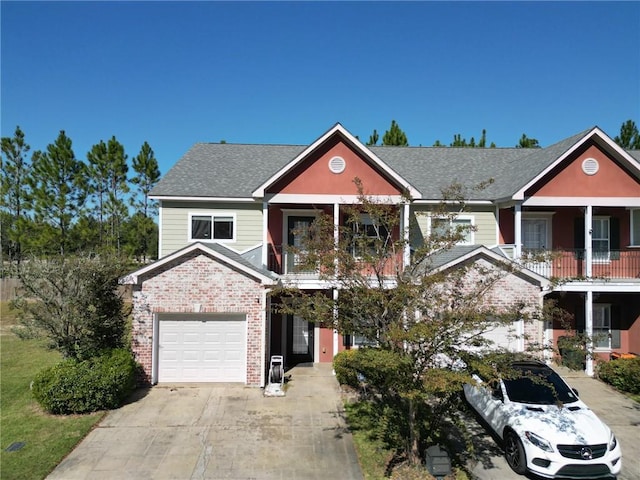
{"x":343,"y":365}
{"x":99,"y":383}
{"x":623,"y":374}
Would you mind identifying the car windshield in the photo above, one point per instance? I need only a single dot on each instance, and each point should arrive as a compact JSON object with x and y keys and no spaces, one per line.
{"x":540,"y":386}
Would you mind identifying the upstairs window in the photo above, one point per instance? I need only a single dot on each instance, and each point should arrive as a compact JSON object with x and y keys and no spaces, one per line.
{"x":462,"y":226}
{"x":368,"y":237}
{"x":211,"y":227}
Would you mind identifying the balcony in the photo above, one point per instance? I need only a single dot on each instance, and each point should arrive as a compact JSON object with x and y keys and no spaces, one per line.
{"x":284,"y":262}
{"x":571,"y":263}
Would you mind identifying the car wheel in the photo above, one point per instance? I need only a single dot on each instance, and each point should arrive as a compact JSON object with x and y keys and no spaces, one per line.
{"x":514,"y":452}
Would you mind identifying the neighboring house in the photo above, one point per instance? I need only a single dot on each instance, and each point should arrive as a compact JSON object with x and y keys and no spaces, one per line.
{"x":202,"y":312}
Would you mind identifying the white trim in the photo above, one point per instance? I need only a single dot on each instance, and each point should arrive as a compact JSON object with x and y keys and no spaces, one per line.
{"x":599,"y":286}
{"x":582,"y":201}
{"x":543,"y":281}
{"x":160,"y":229}
{"x":337,"y":129}
{"x":213,"y":214}
{"x":463,"y":217}
{"x":588,"y":327}
{"x":330,"y":199}
{"x":265,"y":235}
{"x":544,"y":216}
{"x":606,"y":307}
{"x":598,"y":134}
{"x":203,"y":199}
{"x":425,"y":201}
{"x":134,"y":277}
{"x":155,"y":345}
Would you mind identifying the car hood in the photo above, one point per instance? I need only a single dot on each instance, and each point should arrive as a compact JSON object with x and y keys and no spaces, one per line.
{"x":572,"y":424}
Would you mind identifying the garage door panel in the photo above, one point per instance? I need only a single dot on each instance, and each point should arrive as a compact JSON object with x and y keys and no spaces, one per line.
{"x":202,"y":351}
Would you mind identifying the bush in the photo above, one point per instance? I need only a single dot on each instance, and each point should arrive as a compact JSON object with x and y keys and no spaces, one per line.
{"x":99,"y":383}
{"x":623,"y":374}
{"x":343,"y":365}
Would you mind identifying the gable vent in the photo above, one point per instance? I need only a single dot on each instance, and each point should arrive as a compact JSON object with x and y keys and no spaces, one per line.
{"x":590,"y":166}
{"x":337,"y":164}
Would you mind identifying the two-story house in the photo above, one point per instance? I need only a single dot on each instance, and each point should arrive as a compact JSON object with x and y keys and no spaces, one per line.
{"x":202,"y":312}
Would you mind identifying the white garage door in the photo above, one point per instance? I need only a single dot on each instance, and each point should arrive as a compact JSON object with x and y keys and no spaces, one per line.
{"x":202,"y":349}
{"x":508,"y":337}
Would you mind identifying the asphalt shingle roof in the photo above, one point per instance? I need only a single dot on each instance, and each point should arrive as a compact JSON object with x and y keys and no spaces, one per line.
{"x":236,"y":170}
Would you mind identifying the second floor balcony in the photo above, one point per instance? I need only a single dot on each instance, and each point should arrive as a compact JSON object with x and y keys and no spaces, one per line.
{"x":567,"y":264}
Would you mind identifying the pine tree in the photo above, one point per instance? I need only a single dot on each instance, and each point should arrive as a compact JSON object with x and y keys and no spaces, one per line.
{"x":373,"y":138}
{"x":395,"y":136}
{"x":629,"y":137}
{"x":59,"y":191}
{"x":526,"y":142}
{"x":147,"y":176}
{"x":14,"y":191}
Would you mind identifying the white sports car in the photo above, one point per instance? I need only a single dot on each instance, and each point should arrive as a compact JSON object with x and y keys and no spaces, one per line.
{"x":545,"y":427}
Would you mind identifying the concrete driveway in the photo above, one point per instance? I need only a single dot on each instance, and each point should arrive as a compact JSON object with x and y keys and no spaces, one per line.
{"x":616,"y":410}
{"x":222,"y":431}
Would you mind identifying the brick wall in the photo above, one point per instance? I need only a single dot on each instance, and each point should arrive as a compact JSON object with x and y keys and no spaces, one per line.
{"x":197,"y":278}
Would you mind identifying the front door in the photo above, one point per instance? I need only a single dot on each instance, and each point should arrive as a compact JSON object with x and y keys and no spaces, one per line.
{"x":297,"y":229}
{"x":299,"y":341}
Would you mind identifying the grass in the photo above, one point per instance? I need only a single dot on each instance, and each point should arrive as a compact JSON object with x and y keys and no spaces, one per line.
{"x":47,"y":438}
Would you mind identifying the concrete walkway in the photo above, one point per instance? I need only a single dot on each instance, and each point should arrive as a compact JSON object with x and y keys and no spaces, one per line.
{"x":620,"y":413}
{"x":222,"y":432}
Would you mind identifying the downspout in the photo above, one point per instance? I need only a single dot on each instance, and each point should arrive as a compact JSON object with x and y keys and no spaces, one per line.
{"x":517,"y":229}
{"x":265,"y":351}
{"x":588,"y":257}
{"x":265,"y":233}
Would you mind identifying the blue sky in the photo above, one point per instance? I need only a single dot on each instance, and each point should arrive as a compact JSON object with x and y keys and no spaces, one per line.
{"x":174,"y":74}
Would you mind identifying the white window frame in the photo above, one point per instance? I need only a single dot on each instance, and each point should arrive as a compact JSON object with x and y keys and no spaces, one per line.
{"x":471,"y":231}
{"x":213,"y":216}
{"x":601,"y":257}
{"x":634,"y":223}
{"x":605,"y":329}
{"x":539,"y":216}
{"x":365,"y":220}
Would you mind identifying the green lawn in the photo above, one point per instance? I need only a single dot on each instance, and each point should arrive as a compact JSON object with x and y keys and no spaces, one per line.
{"x":47,"y":438}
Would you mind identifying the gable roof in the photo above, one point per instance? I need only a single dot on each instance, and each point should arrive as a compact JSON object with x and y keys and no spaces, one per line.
{"x":458,"y":254}
{"x":243,"y":172}
{"x":215,"y":250}
{"x":340,"y":131}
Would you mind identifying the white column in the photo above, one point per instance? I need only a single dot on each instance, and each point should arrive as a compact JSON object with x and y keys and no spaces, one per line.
{"x":335,"y":319}
{"x":517,"y":229}
{"x":588,"y":326}
{"x":406,"y":254}
{"x":588,"y":257}
{"x":265,"y":233}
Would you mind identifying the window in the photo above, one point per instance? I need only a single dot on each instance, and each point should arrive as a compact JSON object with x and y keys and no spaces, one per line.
{"x":535,"y":233}
{"x":600,"y":239}
{"x":462,"y":226}
{"x":635,"y":227}
{"x":601,"y":326}
{"x":367,"y":236}
{"x":209,"y":227}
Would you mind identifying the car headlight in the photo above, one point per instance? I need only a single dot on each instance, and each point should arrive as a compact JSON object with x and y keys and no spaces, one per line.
{"x":612,"y":441}
{"x":539,"y":442}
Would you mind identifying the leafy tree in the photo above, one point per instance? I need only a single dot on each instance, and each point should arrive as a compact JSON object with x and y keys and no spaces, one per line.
{"x":629,"y":137}
{"x":394,"y":136}
{"x":526,"y":142}
{"x":74,"y":303}
{"x":14,"y":190}
{"x":147,"y":176}
{"x":422,"y":321}
{"x":59,"y":191}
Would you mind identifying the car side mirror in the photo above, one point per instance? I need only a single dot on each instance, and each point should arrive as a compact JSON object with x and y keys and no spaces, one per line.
{"x":576,"y":392}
